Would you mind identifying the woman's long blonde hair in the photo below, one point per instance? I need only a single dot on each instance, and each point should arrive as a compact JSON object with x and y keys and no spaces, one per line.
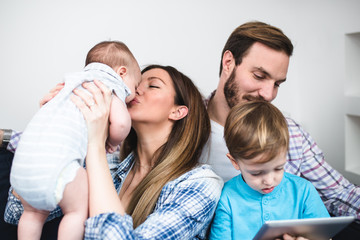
{"x":179,"y":154}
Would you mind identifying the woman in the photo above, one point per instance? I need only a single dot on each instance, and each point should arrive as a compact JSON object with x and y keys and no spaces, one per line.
{"x":161,"y":191}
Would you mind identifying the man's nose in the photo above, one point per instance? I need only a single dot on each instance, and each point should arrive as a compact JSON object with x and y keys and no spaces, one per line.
{"x":267,"y":92}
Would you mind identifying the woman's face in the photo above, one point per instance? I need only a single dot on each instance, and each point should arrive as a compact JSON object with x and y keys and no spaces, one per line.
{"x":154,"y":100}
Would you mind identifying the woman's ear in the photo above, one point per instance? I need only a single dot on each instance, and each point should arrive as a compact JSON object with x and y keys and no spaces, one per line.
{"x":178,"y":113}
{"x":122,"y":71}
{"x":233,"y":161}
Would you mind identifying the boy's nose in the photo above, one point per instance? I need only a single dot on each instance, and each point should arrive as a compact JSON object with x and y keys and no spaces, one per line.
{"x":268,"y":179}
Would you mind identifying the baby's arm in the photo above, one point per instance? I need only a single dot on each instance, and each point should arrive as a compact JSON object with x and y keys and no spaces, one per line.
{"x":119,"y":124}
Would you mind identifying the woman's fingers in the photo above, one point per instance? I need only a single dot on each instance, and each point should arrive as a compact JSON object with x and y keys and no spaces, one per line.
{"x":104,"y":89}
{"x":80,"y":104}
{"x":52,"y":93}
{"x":101,"y":93}
{"x":85,"y":97}
{"x":95,"y":108}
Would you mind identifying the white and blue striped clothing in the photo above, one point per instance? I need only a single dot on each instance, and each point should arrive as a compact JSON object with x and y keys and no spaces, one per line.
{"x":183,"y":210}
{"x":56,"y":137}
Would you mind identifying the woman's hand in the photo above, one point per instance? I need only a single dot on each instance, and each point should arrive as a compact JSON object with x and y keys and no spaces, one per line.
{"x":103,"y":197}
{"x":53,"y":92}
{"x":95,"y":110}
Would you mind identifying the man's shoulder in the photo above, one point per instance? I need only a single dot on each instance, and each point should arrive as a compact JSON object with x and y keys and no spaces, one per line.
{"x":291,"y":122}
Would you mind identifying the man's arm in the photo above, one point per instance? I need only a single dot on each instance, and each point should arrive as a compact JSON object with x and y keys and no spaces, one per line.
{"x":305,"y":159}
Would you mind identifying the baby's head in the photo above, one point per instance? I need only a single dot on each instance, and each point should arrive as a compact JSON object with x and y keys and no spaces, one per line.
{"x":257,"y":138}
{"x":118,"y":56}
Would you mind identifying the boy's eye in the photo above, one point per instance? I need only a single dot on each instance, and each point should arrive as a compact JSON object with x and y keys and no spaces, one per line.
{"x":255,"y":173}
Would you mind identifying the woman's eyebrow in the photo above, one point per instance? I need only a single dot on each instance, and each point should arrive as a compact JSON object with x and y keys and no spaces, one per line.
{"x":156,"y":78}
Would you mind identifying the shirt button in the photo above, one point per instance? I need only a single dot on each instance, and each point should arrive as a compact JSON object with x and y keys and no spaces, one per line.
{"x":267,"y":216}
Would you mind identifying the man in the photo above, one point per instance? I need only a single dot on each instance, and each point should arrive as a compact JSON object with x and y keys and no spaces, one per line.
{"x":254,"y":63}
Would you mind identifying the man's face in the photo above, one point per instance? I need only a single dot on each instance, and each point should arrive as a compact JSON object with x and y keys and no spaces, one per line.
{"x":258,"y":76}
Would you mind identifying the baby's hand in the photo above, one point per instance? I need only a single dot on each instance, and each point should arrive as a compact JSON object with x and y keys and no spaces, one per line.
{"x":111,"y":148}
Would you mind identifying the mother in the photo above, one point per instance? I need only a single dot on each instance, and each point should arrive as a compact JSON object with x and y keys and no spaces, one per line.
{"x":159,"y":190}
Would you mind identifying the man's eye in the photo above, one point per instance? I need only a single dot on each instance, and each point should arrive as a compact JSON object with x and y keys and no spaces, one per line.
{"x":277,"y":84}
{"x":259,"y":77}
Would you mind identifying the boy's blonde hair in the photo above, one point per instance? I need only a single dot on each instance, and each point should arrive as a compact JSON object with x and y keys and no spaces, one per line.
{"x":255,"y":128}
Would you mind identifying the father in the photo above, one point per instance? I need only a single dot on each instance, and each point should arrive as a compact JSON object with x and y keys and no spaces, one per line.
{"x":254,"y":63}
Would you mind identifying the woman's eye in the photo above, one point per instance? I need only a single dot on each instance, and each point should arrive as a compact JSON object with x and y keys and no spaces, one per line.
{"x":153,"y":86}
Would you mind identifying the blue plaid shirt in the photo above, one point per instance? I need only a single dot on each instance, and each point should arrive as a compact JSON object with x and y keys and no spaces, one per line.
{"x":184,"y":209}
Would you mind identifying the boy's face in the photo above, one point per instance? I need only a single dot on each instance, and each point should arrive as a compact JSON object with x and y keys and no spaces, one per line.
{"x":262,"y":177}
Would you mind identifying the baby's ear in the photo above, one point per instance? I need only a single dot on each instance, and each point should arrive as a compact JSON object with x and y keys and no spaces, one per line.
{"x":122,"y":71}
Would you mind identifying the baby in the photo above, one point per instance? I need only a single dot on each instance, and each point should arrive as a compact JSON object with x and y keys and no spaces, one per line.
{"x":48,"y":164}
{"x":257,"y":138}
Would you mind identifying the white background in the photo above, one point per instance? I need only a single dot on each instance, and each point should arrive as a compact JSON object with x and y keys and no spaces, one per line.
{"x":40,"y":40}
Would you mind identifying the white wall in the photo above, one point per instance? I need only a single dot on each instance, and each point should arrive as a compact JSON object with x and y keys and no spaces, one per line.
{"x":40,"y":40}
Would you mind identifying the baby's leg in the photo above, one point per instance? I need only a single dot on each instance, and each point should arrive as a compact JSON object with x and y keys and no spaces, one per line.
{"x":74,"y":205}
{"x":31,"y":222}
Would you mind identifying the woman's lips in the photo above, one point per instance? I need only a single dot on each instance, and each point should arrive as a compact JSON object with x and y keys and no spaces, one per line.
{"x":134,"y":101}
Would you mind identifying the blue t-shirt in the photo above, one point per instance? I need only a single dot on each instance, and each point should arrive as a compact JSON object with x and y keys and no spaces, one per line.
{"x":242,"y":210}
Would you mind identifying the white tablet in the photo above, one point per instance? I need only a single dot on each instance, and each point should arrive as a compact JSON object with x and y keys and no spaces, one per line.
{"x":311,"y":228}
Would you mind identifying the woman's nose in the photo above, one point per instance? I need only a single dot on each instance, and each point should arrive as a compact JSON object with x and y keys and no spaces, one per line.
{"x":138,"y":91}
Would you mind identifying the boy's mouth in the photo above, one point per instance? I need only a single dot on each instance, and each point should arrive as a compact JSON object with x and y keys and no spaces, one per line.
{"x":267,"y":190}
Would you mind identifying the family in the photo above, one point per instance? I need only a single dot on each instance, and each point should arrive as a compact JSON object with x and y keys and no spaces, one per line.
{"x":124,"y":153}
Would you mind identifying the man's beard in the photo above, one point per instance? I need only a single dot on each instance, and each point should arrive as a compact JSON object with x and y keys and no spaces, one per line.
{"x":232,"y":90}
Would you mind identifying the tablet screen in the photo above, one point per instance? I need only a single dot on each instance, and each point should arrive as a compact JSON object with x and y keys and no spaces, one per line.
{"x":311,"y":228}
